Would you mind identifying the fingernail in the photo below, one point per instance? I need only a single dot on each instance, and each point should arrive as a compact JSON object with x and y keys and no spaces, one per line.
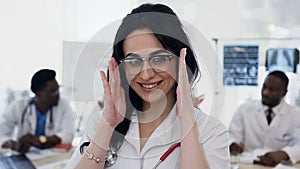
{"x":185,"y":49}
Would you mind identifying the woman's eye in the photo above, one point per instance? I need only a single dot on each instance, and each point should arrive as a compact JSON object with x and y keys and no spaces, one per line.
{"x":158,"y":59}
{"x":134,"y":62}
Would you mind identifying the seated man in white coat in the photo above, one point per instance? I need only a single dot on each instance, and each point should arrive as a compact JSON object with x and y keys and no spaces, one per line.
{"x":42,"y":121}
{"x":269,"y":124}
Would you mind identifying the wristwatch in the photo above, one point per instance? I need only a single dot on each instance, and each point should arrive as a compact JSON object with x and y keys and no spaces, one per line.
{"x":43,"y":139}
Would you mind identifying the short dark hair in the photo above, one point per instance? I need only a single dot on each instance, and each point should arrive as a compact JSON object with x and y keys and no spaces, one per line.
{"x":281,"y":75}
{"x":40,"y":78}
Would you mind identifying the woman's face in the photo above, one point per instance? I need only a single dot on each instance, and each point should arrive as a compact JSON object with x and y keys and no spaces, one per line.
{"x":154,"y":78}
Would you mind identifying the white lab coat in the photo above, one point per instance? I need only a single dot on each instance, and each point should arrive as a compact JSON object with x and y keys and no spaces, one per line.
{"x":213,"y":134}
{"x":63,"y":117}
{"x":250,"y":127}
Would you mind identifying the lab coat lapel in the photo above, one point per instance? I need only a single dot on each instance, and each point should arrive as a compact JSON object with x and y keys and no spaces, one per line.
{"x":33,"y":118}
{"x":262,"y":119}
{"x":167,"y":132}
{"x":281,"y":110}
{"x":49,"y":131}
{"x":29,"y":124}
{"x":133,"y":135}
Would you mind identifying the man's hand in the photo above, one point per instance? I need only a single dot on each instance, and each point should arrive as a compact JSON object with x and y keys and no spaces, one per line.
{"x":29,"y":139}
{"x":16,"y":146}
{"x":10,"y":144}
{"x":235,"y":147}
{"x":273,"y":158}
{"x":26,"y":142}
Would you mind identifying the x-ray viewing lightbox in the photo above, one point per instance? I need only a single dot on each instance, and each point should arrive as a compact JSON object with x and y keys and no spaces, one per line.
{"x":240,"y":65}
{"x":284,"y":59}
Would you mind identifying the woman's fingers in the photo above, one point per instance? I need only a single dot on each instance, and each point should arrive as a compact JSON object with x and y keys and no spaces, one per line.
{"x":107,"y":92}
{"x":118,"y":79}
{"x":113,"y":98}
{"x":116,"y":91}
{"x":182,"y":68}
{"x":183,"y":89}
{"x":105,"y":85}
{"x":183,"y":78}
{"x":115,"y":81}
{"x":116,"y":76}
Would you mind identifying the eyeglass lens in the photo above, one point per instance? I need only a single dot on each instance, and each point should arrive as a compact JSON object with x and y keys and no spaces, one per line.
{"x":159,"y":63}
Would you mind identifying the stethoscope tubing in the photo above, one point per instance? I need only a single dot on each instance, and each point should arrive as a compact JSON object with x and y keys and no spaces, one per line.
{"x":112,"y":157}
{"x":166,"y":154}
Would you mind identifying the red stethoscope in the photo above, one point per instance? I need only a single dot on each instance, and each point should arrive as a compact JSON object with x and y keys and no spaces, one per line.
{"x":166,"y":154}
{"x":112,"y":156}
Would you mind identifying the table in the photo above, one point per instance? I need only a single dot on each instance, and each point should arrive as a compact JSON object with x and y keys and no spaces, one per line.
{"x":256,"y":166}
{"x":247,"y":157}
{"x":55,"y":160}
{"x":51,"y":159}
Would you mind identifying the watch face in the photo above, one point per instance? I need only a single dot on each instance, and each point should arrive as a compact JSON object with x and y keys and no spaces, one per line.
{"x":43,"y":139}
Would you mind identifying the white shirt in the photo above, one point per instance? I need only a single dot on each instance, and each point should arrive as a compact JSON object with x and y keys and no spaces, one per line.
{"x":249,"y":126}
{"x":63,"y":120}
{"x":213,"y":134}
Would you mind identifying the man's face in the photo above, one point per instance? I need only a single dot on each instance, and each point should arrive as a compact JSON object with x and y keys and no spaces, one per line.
{"x":272,"y":91}
{"x":50,"y":93}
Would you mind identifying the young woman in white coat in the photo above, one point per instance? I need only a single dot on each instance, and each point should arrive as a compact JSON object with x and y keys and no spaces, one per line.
{"x":148,"y":106}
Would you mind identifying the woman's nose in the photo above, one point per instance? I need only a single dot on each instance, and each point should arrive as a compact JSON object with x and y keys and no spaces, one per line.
{"x":147,"y":71}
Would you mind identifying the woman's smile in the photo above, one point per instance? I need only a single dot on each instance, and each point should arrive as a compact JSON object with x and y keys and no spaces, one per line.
{"x":150,"y":86}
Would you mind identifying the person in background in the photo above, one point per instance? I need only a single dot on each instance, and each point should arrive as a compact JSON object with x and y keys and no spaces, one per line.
{"x":42,"y":121}
{"x":198,"y":100}
{"x":148,"y":105}
{"x":269,"y":123}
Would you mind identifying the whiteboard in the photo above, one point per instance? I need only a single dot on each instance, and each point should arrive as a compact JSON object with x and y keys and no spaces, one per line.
{"x":82,"y":63}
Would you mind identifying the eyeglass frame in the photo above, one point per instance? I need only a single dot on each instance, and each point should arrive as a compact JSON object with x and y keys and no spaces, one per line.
{"x":168,"y":56}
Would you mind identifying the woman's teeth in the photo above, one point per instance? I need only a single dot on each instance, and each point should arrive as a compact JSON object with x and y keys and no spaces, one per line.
{"x":149,"y":86}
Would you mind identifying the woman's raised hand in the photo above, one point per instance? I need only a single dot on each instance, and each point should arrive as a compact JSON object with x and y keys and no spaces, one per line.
{"x":114,"y":97}
{"x":184,"y":97}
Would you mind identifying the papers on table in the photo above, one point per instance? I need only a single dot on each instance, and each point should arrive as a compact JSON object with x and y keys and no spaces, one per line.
{"x":249,"y":157}
{"x":280,"y":166}
{"x":38,"y":154}
{"x":56,"y":165}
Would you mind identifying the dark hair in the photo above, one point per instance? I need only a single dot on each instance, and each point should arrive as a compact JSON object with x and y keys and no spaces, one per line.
{"x":40,"y":78}
{"x":167,"y":28}
{"x":281,"y":75}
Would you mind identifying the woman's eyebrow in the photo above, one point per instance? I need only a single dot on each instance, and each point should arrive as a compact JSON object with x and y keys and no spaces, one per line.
{"x":132,"y":55}
{"x":151,"y":54}
{"x":158,"y":52}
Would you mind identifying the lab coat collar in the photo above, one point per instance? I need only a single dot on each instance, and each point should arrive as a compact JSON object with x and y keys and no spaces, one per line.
{"x":167,"y":132}
{"x":278,"y":108}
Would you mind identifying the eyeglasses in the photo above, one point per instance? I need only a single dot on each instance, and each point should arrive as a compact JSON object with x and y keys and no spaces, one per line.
{"x":160,"y":63}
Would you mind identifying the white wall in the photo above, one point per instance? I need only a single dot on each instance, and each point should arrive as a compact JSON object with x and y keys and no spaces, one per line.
{"x":32,"y":31}
{"x":31,"y":37}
